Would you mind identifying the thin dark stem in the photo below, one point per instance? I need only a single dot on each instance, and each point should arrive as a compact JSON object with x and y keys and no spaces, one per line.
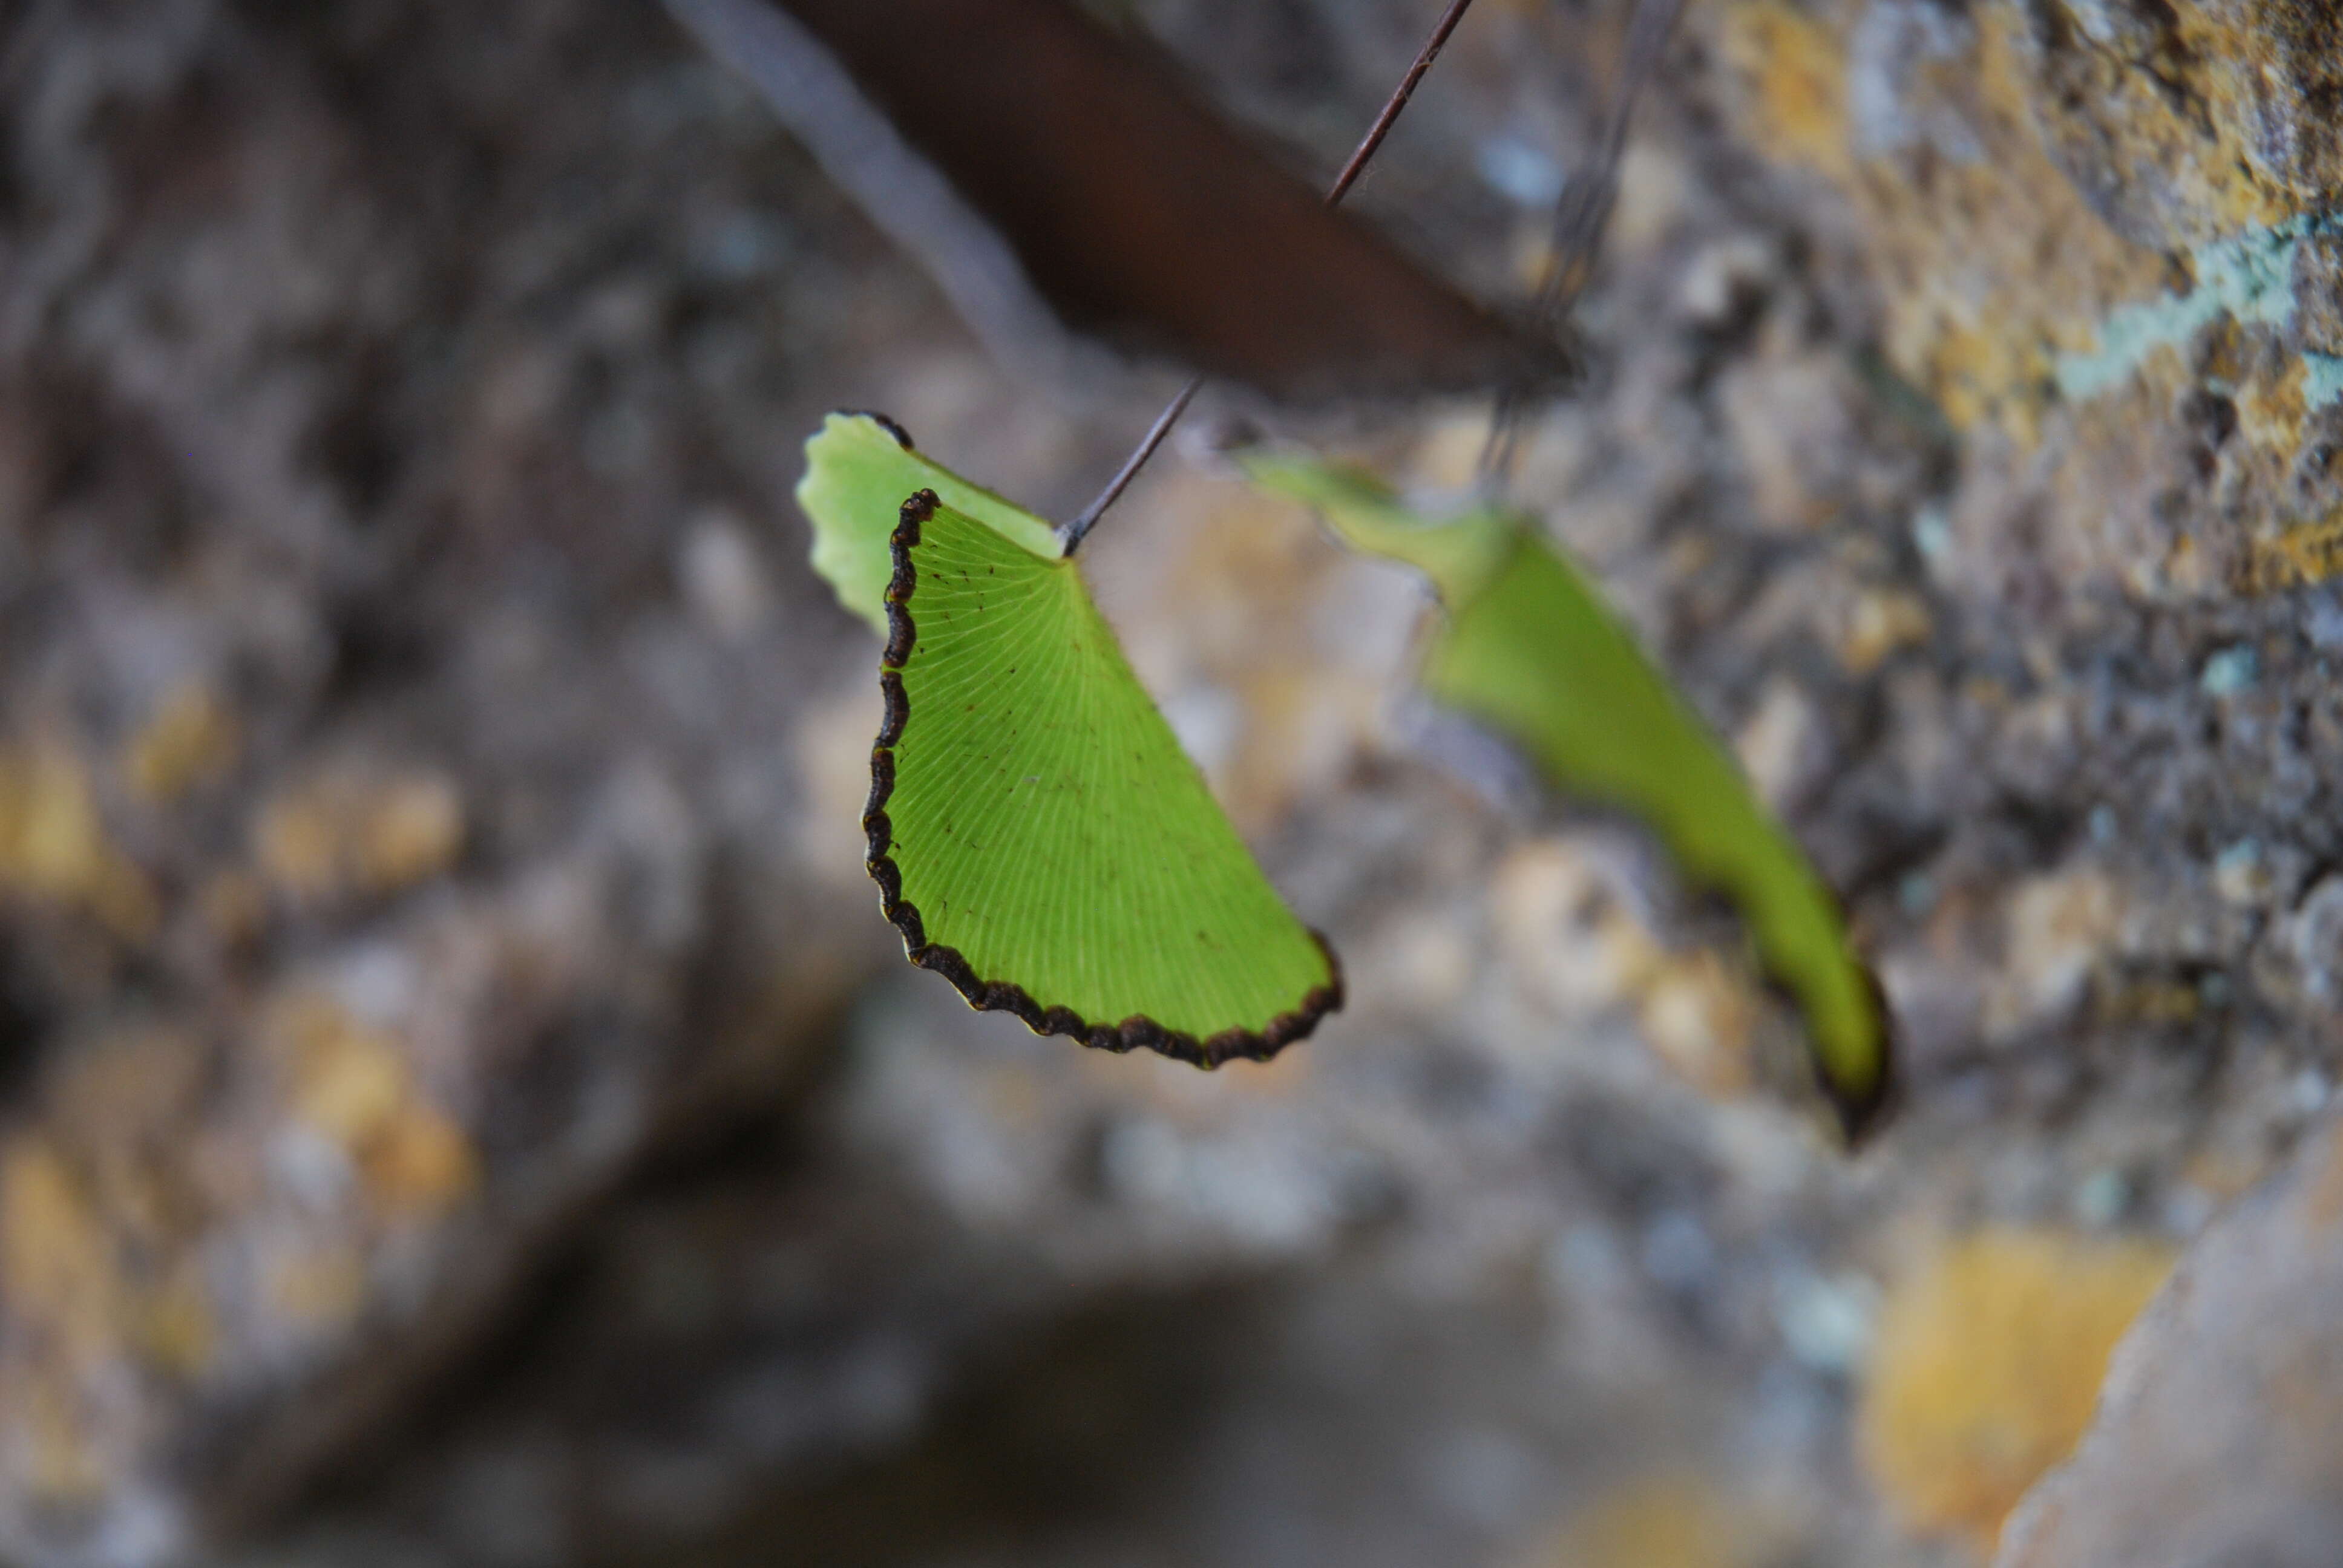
{"x":1578,"y":221}
{"x":1074,"y":532}
{"x":1397,"y":101}
{"x":1580,"y":215}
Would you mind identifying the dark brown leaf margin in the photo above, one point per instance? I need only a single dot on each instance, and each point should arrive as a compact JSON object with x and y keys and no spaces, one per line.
{"x":1860,"y":1116}
{"x":1003,"y":996}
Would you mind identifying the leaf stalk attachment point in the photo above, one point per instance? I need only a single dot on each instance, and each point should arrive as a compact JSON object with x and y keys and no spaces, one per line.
{"x":1077,"y":530}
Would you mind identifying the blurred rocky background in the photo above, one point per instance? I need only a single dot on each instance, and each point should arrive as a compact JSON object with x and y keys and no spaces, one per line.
{"x":459,"y":1104}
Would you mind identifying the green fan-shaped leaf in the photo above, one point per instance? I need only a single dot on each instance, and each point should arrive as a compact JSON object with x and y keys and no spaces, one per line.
{"x":1530,"y":648}
{"x":859,"y":468}
{"x":1039,"y":837}
{"x":1037,"y":834}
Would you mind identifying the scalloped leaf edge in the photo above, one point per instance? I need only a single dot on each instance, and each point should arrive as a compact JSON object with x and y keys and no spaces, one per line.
{"x":1132,"y":1033}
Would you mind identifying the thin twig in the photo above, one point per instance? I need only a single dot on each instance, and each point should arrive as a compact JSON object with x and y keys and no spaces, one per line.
{"x":1578,"y":221}
{"x":1074,"y":532}
{"x":1397,"y":101}
{"x":1077,"y":530}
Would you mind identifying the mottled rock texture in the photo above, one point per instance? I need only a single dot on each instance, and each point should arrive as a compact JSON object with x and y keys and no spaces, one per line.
{"x":1987,"y":1365}
{"x":2100,"y":234}
{"x":2220,"y":1439}
{"x":459,"y":1105}
{"x":393,"y":842}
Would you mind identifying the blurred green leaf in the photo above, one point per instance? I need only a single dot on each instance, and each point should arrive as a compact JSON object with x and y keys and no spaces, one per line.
{"x":1038,"y":836}
{"x":1529,"y":648}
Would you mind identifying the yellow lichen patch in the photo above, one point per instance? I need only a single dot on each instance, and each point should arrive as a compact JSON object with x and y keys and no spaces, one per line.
{"x":1670,"y":1519}
{"x":2153,"y":1002}
{"x":66,"y":1301}
{"x":2300,"y":556}
{"x":420,"y":1161}
{"x":2270,"y":413}
{"x":1878,"y":622}
{"x":412,"y":830}
{"x":347,"y":830}
{"x":190,"y":738}
{"x":2231,"y":68}
{"x":353,"y":1085}
{"x":56,"y":1264}
{"x":54,"y":846}
{"x":97,"y":1218}
{"x":1987,"y":1366}
{"x":2071,"y":244}
{"x":2218,"y":351}
{"x":176,"y":1327}
{"x":1796,"y":67}
{"x":1973,"y":370}
{"x":1988,"y":259}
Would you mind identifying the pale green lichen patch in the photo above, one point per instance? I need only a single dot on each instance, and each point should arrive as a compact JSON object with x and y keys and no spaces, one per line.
{"x":2322,"y":380}
{"x":2248,"y":277}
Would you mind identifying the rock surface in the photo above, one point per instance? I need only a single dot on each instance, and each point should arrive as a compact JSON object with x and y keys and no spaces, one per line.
{"x":1987,"y":1365}
{"x":393,"y":845}
{"x":2221,"y":1437}
{"x":459,"y":1105}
